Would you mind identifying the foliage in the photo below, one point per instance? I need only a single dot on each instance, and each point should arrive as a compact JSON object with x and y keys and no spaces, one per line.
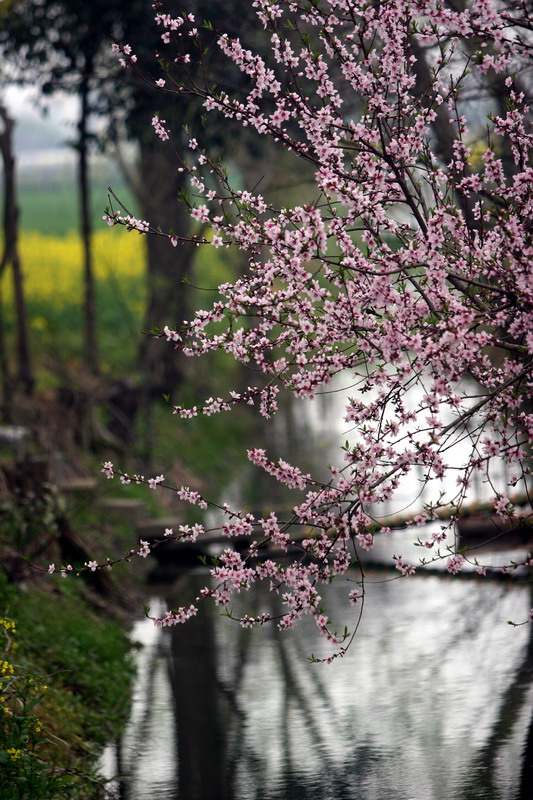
{"x":21,"y":732}
{"x":405,"y":273}
{"x":27,"y":519}
{"x":59,"y":55}
{"x":65,"y":677}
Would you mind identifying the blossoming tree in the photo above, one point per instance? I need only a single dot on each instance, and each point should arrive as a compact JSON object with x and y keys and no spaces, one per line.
{"x":408,"y":270}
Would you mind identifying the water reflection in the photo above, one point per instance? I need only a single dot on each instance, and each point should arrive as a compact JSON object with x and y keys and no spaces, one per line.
{"x":432,"y":702}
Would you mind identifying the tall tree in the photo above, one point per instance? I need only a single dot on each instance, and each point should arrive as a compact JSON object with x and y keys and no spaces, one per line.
{"x":65,"y":44}
{"x":159,"y":182}
{"x":10,"y":256}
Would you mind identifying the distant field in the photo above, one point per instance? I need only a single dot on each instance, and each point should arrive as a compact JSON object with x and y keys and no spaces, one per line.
{"x":52,"y":206}
{"x":53,"y":287}
{"x":51,"y":256}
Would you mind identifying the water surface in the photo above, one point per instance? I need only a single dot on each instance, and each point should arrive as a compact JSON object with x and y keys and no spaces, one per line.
{"x":432,"y":701}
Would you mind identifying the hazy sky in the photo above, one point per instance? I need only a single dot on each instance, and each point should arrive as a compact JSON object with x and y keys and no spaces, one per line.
{"x":40,"y":127}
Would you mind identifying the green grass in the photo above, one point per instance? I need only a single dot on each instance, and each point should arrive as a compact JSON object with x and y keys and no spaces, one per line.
{"x":50,"y":204}
{"x":66,"y":691}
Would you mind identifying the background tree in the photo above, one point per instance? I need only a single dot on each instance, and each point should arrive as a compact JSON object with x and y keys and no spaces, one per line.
{"x":158,"y":181}
{"x":65,"y":44}
{"x":10,"y":257}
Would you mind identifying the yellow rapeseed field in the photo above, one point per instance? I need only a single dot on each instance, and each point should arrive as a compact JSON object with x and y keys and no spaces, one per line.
{"x":52,"y":265}
{"x":53,"y":288}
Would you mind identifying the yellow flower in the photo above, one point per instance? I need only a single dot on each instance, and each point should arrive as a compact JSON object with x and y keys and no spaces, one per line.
{"x":13,"y":753}
{"x":53,"y":266}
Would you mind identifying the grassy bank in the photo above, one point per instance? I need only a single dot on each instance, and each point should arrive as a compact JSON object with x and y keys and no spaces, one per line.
{"x":65,"y":681}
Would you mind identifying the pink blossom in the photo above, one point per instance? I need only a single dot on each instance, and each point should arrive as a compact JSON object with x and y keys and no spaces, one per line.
{"x":455,"y":564}
{"x":107,"y":469}
{"x":144,"y":549}
{"x":159,"y":127}
{"x":366,"y":540}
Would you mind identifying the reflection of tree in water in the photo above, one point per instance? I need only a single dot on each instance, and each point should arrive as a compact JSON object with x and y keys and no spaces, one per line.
{"x":127,"y":768}
{"x":210,"y":722}
{"x":200,"y":716}
{"x":136,"y":764}
{"x":358,"y":776}
{"x":254,"y":719}
{"x":334,"y":780}
{"x":213,"y":749}
{"x":526,"y":778}
{"x":481,"y":781}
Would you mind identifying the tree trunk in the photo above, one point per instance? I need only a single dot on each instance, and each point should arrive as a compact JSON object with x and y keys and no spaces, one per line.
{"x":11,"y":256}
{"x":6,"y":407}
{"x":168,"y":266}
{"x":89,"y":300}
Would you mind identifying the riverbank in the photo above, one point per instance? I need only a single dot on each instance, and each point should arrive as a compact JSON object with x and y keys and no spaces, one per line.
{"x":66,"y":670}
{"x":66,"y":678}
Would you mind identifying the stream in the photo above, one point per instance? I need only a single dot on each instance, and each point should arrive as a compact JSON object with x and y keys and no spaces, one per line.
{"x":432,"y":701}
